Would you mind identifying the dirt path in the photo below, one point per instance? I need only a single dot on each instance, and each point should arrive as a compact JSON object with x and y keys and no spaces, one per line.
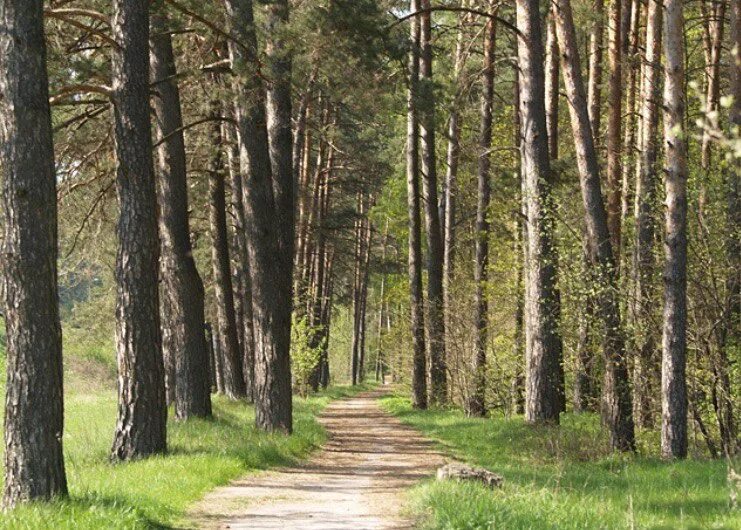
{"x":357,"y":481}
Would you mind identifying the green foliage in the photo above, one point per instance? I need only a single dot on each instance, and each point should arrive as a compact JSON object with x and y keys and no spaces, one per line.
{"x":561,"y":478}
{"x":306,"y":351}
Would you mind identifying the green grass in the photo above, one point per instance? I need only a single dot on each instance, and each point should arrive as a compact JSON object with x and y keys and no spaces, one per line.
{"x":561,"y":478}
{"x":156,"y":492}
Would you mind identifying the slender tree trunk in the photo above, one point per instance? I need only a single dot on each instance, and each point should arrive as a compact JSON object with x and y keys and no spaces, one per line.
{"x":520,"y":243}
{"x":34,"y":463}
{"x":631,"y":59}
{"x":280,"y":136}
{"x":644,"y":298}
{"x":247,"y":342}
{"x":183,"y":339}
{"x":674,"y":340}
{"x":142,"y":412}
{"x":451,"y":175}
{"x":712,"y":76}
{"x":594,"y":90}
{"x":616,"y":389}
{"x":614,"y":125}
{"x":227,"y":325}
{"x":551,"y":86}
{"x":270,"y":300}
{"x":416,"y":297}
{"x":542,"y":400}
{"x":726,"y":421}
{"x":435,"y":309}
{"x":477,"y":405}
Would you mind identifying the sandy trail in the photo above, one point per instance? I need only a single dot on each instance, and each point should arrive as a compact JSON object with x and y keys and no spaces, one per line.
{"x":356,"y":481}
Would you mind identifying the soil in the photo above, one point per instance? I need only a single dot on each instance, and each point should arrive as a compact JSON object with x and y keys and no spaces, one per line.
{"x":358,"y":480}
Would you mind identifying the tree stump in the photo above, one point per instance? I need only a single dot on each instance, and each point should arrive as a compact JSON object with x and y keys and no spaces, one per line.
{"x":462,"y":472}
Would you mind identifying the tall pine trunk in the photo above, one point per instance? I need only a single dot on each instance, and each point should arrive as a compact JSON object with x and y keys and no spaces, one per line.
{"x":644,"y":298}
{"x":674,"y":340}
{"x":616,"y":391}
{"x":416,"y":296}
{"x":34,"y":463}
{"x":477,"y":405}
{"x":231,"y":356}
{"x":542,"y":396}
{"x":181,"y":307}
{"x":270,"y":296}
{"x":142,"y":412}
{"x":435,"y":310}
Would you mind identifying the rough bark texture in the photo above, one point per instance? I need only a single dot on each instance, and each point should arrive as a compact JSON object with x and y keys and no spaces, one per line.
{"x":181,"y":307}
{"x":614,"y":124}
{"x":542,"y":400}
{"x":616,"y":391}
{"x":142,"y":412}
{"x":644,"y":298}
{"x":241,"y":263}
{"x":231,"y":356}
{"x":435,"y":309}
{"x":271,"y":305}
{"x":34,"y":464}
{"x":416,"y":297}
{"x":477,"y":405}
{"x":280,"y":138}
{"x":674,"y":340}
{"x":551,"y":85}
{"x":594,"y":88}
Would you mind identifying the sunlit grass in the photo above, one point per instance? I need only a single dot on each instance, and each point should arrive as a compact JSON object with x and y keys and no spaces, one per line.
{"x":156,"y":492}
{"x":561,"y":478}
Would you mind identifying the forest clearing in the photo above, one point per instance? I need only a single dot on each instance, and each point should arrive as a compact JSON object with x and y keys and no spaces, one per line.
{"x":349,"y":264}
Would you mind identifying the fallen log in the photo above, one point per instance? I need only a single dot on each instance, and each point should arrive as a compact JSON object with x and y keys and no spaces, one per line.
{"x":463,"y":472}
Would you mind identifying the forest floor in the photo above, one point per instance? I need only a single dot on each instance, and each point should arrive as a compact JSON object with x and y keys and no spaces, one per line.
{"x":358,"y":480}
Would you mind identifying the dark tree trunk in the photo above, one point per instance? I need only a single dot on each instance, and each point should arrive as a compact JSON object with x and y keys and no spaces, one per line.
{"x":435,"y":309}
{"x":34,"y":463}
{"x":231,"y":357}
{"x":674,"y":341}
{"x":247,"y":342}
{"x":477,"y":405}
{"x":270,"y":296}
{"x":520,"y":242}
{"x":416,"y":297}
{"x":183,"y":340}
{"x":542,"y":371}
{"x":618,"y":406}
{"x":142,"y":412}
{"x":644,"y":298}
{"x":594,"y":91}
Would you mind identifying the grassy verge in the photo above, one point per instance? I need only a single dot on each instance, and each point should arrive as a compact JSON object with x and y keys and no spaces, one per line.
{"x":561,"y":478}
{"x":156,"y":492}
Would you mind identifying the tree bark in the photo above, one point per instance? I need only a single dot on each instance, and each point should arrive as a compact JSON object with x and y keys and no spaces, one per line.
{"x":542,"y":400}
{"x":616,"y":388}
{"x":644,"y":298}
{"x":674,"y":340}
{"x":183,"y":339}
{"x":142,"y":412}
{"x":416,"y":297}
{"x":247,"y":342}
{"x":551,"y":85}
{"x":594,"y":90}
{"x":435,"y":310}
{"x":231,"y":356}
{"x":34,"y":462}
{"x":477,"y":405}
{"x":614,"y":125}
{"x":271,"y":305}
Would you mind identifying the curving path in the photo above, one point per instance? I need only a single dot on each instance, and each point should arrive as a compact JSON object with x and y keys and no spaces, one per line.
{"x":356,"y":481}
